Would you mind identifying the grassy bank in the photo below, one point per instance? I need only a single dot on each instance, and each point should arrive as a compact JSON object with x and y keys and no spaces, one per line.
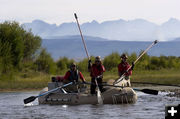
{"x":37,"y":81}
{"x":34,"y":81}
{"x":161,"y":76}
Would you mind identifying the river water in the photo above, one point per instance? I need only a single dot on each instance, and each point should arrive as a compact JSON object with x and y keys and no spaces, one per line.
{"x":146,"y":107}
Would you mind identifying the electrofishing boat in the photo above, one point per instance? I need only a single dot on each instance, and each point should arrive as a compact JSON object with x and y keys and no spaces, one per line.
{"x":112,"y":95}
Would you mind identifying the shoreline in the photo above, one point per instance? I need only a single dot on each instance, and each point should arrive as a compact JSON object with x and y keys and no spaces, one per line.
{"x":18,"y":90}
{"x":169,"y":89}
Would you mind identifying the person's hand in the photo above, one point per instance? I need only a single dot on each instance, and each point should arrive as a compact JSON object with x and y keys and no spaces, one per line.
{"x":125,"y":72}
{"x":100,"y":76}
{"x":74,"y":82}
{"x":89,"y":61}
{"x":89,"y":65}
{"x":132,"y":67}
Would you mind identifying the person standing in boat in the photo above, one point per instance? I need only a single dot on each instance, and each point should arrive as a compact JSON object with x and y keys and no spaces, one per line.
{"x":123,"y":69}
{"x":73,"y":75}
{"x":96,"y":72}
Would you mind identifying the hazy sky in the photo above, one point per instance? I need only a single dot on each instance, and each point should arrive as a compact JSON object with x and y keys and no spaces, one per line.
{"x":59,"y":11}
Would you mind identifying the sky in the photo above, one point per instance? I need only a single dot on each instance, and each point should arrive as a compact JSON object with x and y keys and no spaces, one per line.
{"x":60,"y":11}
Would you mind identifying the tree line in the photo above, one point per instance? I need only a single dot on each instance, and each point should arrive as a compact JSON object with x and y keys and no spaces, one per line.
{"x":111,"y":62}
{"x":21,"y":50}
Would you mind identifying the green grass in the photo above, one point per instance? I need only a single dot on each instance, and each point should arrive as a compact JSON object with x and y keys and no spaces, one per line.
{"x":161,"y":76}
{"x":37,"y":81}
{"x":33,"y":82}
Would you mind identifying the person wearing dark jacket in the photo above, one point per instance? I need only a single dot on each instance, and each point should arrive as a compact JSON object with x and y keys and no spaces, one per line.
{"x":96,"y":72}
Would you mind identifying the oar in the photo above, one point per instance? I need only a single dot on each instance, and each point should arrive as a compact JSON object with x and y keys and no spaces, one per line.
{"x":122,"y":77}
{"x":82,"y":36}
{"x":156,"y":84}
{"x":147,"y":91}
{"x":100,"y":101}
{"x":32,"y":98}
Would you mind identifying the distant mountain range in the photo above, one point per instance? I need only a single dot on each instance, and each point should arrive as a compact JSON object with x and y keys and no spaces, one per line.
{"x":107,"y":37}
{"x":72,"y":47}
{"x":134,"y":30}
{"x":176,"y":39}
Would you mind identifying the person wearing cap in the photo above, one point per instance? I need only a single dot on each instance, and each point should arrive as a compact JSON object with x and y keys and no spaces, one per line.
{"x":96,"y":72}
{"x":122,"y":69}
{"x":73,"y":75}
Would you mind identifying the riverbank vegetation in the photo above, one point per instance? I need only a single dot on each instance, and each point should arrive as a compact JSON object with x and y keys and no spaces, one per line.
{"x":25,"y":64}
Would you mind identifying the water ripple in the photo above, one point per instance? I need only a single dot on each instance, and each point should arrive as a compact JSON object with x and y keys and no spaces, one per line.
{"x":147,"y":106}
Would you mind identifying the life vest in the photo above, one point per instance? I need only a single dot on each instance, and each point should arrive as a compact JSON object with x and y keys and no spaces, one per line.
{"x":74,"y":76}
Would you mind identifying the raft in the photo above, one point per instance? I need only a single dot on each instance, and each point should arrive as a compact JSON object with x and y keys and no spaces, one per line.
{"x":112,"y":95}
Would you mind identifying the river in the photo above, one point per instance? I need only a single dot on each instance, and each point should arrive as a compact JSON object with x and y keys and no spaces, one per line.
{"x":146,"y":107}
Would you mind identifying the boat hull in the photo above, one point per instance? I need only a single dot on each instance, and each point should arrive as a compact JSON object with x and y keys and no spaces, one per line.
{"x":111,"y":96}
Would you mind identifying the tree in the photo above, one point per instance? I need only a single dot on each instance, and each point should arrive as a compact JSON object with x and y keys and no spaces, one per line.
{"x":143,"y":62}
{"x":45,"y":62}
{"x":16,"y":45}
{"x":83,"y":65}
{"x":32,"y":44}
{"x":5,"y":58}
{"x":154,"y":63}
{"x":64,"y":63}
{"x":112,"y":61}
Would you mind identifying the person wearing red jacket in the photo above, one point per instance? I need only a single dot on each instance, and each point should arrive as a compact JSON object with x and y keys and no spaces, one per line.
{"x":123,"y":69}
{"x":73,"y":75}
{"x":96,"y":72}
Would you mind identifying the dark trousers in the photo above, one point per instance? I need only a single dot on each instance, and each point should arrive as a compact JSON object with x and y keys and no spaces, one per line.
{"x":93,"y":85}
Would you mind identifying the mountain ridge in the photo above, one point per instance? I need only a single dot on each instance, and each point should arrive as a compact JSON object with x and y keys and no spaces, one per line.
{"x":72,"y":47}
{"x":131,"y":30}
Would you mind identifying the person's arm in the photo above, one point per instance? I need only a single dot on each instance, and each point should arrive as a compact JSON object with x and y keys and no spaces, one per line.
{"x":103,"y":68}
{"x":120,"y":74}
{"x":101,"y":71}
{"x":67,"y":75}
{"x":82,"y":77}
{"x":120,"y":70}
{"x":132,"y":66}
{"x":89,"y":65}
{"x":129,"y":72}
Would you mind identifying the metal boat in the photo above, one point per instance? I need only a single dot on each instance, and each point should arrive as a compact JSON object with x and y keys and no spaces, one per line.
{"x":112,"y":95}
